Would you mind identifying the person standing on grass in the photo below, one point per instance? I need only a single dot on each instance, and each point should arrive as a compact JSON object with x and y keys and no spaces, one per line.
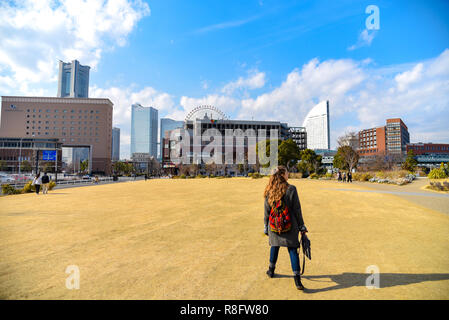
{"x":344,"y":176}
{"x":349,"y":176}
{"x":283,"y":221}
{"x":45,"y":183}
{"x":37,"y":181}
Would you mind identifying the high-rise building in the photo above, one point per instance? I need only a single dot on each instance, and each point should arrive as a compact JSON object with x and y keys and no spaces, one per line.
{"x":144,"y":123}
{"x":391,"y":138}
{"x":299,"y":136}
{"x":167,"y":125}
{"x":76,"y":122}
{"x":73,"y":80}
{"x":397,"y":136}
{"x":317,"y":126}
{"x":115,"y":156}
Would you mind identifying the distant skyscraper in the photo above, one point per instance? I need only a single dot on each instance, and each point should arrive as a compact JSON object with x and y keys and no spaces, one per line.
{"x":73,"y":80}
{"x":317,"y":126}
{"x":167,"y":125}
{"x":144,"y":123}
{"x":115,"y":156}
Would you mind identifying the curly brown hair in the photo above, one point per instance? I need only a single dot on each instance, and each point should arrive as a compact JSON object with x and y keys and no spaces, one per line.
{"x":277,"y":185}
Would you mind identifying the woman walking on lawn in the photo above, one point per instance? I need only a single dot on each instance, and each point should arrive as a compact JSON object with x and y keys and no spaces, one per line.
{"x":37,"y":181}
{"x":283,"y":221}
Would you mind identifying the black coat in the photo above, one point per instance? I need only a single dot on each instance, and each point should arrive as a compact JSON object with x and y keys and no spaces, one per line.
{"x":289,"y":238}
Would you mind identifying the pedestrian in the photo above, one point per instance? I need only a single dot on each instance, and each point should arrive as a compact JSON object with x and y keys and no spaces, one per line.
{"x":339,"y":176}
{"x":96,"y":179}
{"x":344,"y":176}
{"x":37,"y":181}
{"x":349,"y":176}
{"x":146,"y":177}
{"x":283,"y":221}
{"x":45,"y":183}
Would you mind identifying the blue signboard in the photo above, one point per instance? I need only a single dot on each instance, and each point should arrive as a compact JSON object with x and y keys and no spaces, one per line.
{"x":49,"y":155}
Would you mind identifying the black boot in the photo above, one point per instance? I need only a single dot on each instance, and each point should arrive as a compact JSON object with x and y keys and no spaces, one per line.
{"x":270,"y":272}
{"x":298,"y":283}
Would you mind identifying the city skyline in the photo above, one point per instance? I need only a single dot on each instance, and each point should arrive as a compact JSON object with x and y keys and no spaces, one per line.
{"x":276,"y":60}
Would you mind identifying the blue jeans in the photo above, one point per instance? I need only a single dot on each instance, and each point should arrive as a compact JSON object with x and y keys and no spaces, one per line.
{"x":294,"y":257}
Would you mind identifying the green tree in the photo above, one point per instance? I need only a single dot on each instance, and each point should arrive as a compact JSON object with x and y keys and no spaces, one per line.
{"x":310,"y":162}
{"x":118,"y":167}
{"x":25,"y":166}
{"x":410,"y":162}
{"x":267,"y":152}
{"x":338,"y":162}
{"x":84,"y":166}
{"x":289,"y":153}
{"x":3,"y":165}
{"x":129,"y":168}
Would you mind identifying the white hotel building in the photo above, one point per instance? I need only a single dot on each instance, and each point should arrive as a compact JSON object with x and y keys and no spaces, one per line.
{"x":317,"y":127}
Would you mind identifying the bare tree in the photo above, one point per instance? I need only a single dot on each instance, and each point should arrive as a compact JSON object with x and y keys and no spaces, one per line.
{"x":211,"y":168}
{"x":350,"y":139}
{"x":193,"y":169}
{"x":346,"y":158}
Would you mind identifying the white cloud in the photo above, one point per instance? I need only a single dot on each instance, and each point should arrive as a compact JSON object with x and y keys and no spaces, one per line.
{"x":255,"y":80}
{"x":226,"y":25}
{"x":364,"y":40}
{"x":35,"y":34}
{"x":406,"y":78}
{"x":329,"y":80}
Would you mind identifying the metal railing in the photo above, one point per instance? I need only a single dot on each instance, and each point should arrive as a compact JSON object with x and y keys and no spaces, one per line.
{"x":72,"y":182}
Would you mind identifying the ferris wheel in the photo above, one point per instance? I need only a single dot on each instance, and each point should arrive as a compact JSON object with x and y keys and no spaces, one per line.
{"x":206,"y":110}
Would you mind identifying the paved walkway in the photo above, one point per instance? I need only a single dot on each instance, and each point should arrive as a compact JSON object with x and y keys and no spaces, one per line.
{"x":412,"y":192}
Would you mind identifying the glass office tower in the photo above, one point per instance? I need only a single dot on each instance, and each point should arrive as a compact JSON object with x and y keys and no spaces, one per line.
{"x":73,"y":80}
{"x":115,"y":156}
{"x":167,"y":125}
{"x":144,"y":124}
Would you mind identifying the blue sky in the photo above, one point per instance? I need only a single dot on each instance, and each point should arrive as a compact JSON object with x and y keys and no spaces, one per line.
{"x":261,"y":59}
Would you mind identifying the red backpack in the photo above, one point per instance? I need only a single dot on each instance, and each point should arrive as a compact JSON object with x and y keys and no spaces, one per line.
{"x":280,"y":220}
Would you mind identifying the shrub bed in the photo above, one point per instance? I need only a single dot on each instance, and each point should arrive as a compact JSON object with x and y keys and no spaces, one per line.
{"x":439,"y":186}
{"x":437,"y":174}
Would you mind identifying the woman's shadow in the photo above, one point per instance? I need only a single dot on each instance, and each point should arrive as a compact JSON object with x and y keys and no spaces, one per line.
{"x":386,"y":280}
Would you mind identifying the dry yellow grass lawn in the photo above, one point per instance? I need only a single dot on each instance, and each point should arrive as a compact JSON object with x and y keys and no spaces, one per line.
{"x":202,"y":239}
